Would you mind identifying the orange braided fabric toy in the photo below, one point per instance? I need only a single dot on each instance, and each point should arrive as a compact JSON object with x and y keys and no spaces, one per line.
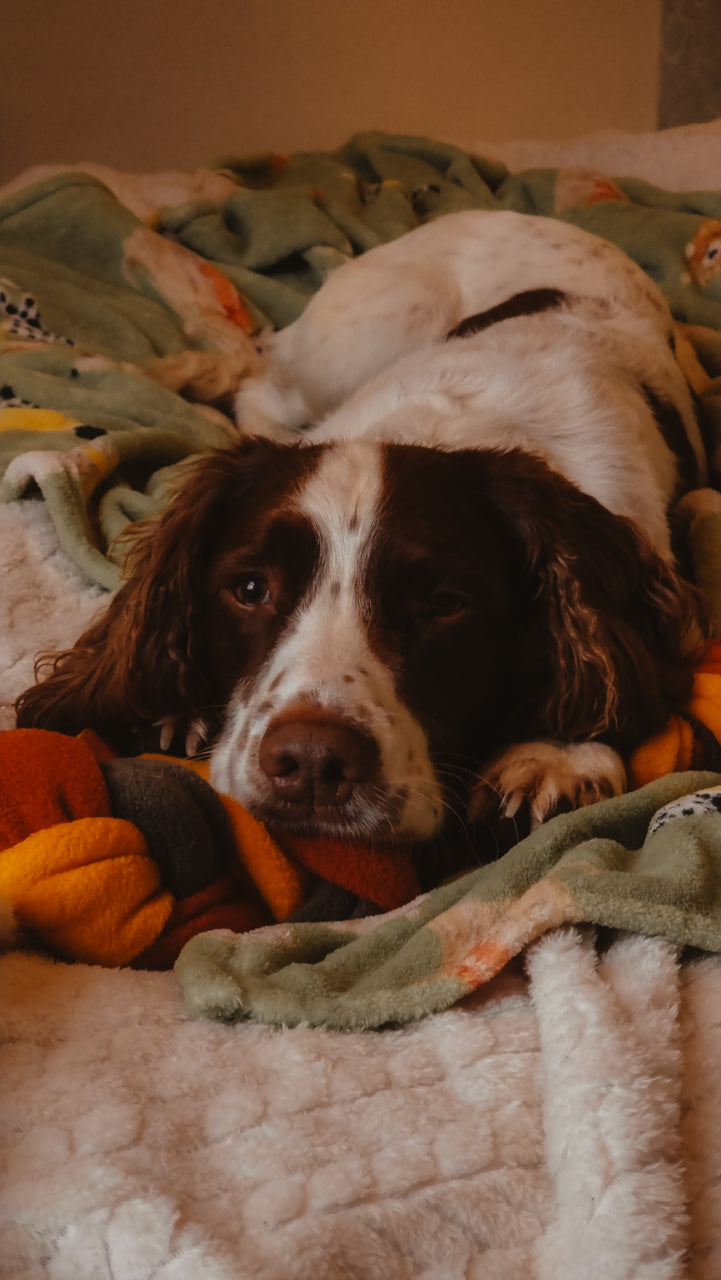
{"x":86,"y":884}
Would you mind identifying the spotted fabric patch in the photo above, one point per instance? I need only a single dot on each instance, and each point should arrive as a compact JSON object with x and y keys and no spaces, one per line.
{"x":9,"y":399}
{"x":89,"y":433}
{"x":696,"y":802}
{"x":20,"y":318}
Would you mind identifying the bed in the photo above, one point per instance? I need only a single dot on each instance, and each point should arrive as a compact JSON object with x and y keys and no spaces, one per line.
{"x":506,"y":1078}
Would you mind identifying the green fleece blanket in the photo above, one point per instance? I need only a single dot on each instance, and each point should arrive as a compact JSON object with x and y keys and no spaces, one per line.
{"x":649,"y":862}
{"x":90,"y":298}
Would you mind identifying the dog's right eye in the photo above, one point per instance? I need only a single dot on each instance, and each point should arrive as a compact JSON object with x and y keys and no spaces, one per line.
{"x":442,"y":604}
{"x":252,"y":590}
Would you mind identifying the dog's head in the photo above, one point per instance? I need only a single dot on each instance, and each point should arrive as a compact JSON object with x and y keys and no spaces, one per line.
{"x":360,"y":625}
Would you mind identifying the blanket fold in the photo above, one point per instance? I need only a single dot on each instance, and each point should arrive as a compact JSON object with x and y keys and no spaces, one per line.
{"x":608,"y":864}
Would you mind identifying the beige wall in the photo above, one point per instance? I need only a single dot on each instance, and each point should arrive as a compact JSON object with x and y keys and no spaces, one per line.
{"x":143,"y":84}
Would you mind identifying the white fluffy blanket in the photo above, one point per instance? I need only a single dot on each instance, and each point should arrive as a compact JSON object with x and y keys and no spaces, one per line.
{"x":566,"y":1127}
{"x":564,"y":1123}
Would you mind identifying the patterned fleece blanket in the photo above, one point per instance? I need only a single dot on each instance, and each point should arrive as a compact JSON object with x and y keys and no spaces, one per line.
{"x":106,"y":318}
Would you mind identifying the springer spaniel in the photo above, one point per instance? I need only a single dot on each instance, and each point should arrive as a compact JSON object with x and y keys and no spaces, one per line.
{"x":436,"y":578}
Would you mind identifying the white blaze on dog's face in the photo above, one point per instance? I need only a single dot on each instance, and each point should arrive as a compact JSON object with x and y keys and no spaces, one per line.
{"x":352,"y":624}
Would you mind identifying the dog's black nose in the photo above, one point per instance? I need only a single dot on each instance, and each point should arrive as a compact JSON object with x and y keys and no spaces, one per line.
{"x":316,"y":760}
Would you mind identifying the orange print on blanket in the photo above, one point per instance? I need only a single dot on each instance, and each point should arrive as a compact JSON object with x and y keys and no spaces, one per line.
{"x":604,"y":189}
{"x":579,"y":188}
{"x":485,"y":960}
{"x":703,"y":254}
{"x":228,"y":297}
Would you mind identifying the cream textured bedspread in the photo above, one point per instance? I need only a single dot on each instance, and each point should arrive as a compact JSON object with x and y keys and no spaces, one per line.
{"x":561,"y":1126}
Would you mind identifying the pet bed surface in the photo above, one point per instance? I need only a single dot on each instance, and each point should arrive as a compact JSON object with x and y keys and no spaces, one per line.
{"x":559,"y":1122}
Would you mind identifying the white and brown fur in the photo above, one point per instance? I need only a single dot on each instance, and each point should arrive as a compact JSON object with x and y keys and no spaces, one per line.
{"x":443,"y":581}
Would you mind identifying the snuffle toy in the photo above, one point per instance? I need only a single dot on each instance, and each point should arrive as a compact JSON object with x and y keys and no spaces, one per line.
{"x":120,"y":861}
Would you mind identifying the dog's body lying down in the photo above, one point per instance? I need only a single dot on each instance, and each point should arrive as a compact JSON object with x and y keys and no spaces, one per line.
{"x":580,"y":371}
{"x":457,"y":592}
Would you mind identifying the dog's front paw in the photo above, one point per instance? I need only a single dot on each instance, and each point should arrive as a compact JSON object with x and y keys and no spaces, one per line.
{"x":190,"y":735}
{"x":547,"y":778}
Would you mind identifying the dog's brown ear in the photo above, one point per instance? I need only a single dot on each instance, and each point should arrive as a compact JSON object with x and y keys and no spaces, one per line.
{"x":617,"y":621}
{"x":136,"y":663}
{"x":144,"y":659}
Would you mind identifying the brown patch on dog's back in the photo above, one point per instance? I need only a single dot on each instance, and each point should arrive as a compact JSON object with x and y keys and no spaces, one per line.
{"x":528,"y":303}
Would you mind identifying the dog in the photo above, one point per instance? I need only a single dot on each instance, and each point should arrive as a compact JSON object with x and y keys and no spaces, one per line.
{"x":434,"y":580}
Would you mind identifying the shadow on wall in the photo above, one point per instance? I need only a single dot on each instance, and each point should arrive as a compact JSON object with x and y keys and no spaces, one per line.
{"x":689,"y":62}
{"x":172,"y":84}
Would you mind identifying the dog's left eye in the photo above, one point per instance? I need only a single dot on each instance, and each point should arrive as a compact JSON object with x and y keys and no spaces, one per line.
{"x":252,"y":589}
{"x":446,"y":604}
